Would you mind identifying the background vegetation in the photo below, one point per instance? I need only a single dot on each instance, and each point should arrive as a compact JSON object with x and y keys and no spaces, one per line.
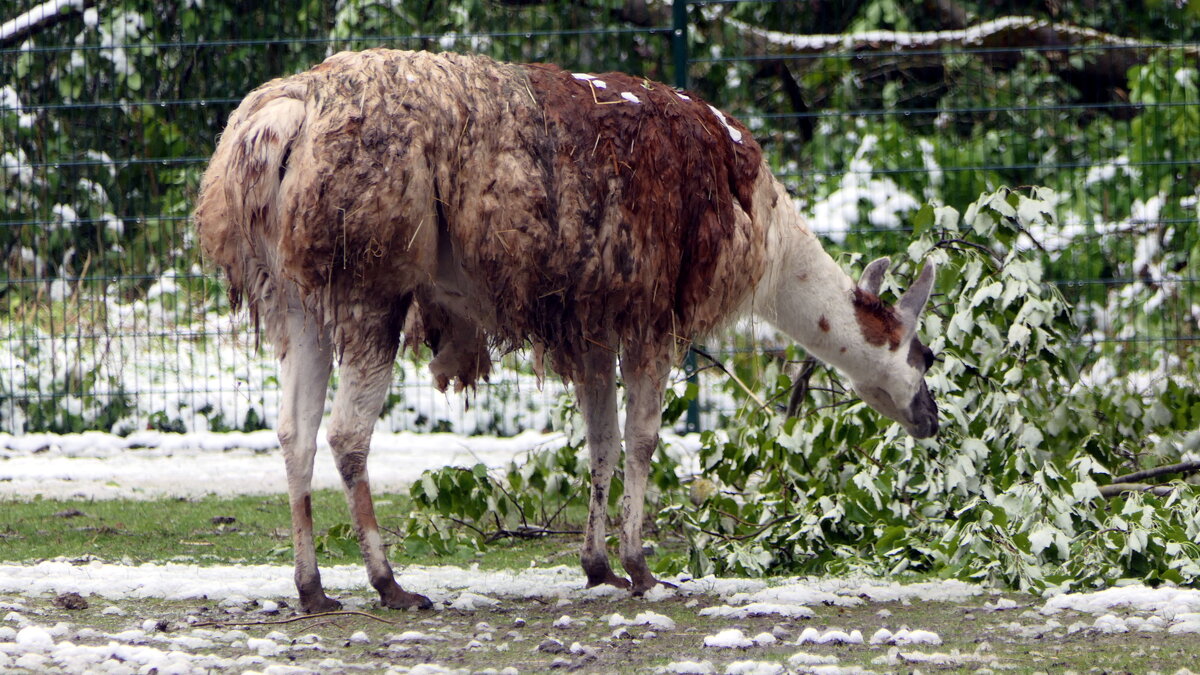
{"x":1067,"y":320}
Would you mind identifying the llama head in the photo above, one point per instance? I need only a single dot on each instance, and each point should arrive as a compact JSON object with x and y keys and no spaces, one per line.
{"x":894,"y":382}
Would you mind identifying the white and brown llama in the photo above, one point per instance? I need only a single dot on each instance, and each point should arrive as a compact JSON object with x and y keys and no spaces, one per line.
{"x":472,"y":205}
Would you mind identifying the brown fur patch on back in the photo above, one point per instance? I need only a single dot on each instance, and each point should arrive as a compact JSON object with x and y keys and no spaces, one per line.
{"x":878,"y":322}
{"x":823,"y":324}
{"x":516,"y":204}
{"x":658,"y":193}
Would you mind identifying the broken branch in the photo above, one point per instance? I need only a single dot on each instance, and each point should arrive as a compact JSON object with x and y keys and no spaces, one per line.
{"x":1118,"y":489}
{"x":1136,"y":476}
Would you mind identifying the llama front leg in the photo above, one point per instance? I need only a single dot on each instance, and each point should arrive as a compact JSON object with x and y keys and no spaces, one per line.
{"x":305,"y":361}
{"x":362,"y":389}
{"x":645,"y":373}
{"x":597,"y":393}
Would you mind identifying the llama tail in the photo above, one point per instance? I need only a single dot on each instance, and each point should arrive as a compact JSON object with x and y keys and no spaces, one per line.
{"x":238,"y":212}
{"x":261,"y":146}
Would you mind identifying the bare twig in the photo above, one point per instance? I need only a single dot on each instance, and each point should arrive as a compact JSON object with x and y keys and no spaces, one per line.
{"x":459,"y":521}
{"x":528,"y":533}
{"x":948,"y":243}
{"x":750,"y":535}
{"x":511,"y":498}
{"x":835,"y":404}
{"x":754,"y":397}
{"x":800,"y":387}
{"x":556,"y":513}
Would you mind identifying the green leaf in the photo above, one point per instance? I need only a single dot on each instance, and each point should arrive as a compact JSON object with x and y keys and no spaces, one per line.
{"x":923,"y":220}
{"x":429,"y":486}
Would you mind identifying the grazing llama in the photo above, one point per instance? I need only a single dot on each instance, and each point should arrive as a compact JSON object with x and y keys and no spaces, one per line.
{"x":474,"y":206}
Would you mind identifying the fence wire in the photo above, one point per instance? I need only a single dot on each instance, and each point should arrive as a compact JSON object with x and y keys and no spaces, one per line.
{"x":109,"y":110}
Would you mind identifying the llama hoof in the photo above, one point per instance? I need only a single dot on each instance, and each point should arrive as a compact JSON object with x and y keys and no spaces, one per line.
{"x":640,"y":589}
{"x":612,"y":580}
{"x":320,"y":605}
{"x":405,"y":600}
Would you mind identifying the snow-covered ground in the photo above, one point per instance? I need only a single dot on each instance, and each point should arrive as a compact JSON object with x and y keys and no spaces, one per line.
{"x":152,"y":464}
{"x":26,"y":643}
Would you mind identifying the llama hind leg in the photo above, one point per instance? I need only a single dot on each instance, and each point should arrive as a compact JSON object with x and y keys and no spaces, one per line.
{"x":597,"y":395}
{"x":305,"y":361}
{"x":362,"y":389}
{"x":645,"y":371}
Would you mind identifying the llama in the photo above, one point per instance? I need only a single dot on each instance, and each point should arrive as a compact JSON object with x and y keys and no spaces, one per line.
{"x":476,"y":206}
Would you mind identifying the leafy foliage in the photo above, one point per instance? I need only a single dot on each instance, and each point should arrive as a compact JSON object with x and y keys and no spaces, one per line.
{"x":1009,"y":492}
{"x":544,"y":494}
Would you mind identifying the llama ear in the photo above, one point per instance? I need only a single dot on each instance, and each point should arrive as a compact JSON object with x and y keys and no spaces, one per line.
{"x":912,"y":303}
{"x":872,"y":276}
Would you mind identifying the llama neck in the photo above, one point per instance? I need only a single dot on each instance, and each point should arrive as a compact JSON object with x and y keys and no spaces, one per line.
{"x":807,"y":295}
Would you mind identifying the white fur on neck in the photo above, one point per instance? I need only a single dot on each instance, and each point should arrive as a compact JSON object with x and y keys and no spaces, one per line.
{"x":805,"y":293}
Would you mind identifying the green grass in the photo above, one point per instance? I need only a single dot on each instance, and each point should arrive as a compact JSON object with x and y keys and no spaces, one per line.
{"x":220,"y":530}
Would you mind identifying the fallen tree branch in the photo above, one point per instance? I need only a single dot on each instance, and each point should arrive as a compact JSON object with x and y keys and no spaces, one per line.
{"x":999,"y":42}
{"x":1118,"y":489}
{"x":1136,"y":476}
{"x":1005,"y":32}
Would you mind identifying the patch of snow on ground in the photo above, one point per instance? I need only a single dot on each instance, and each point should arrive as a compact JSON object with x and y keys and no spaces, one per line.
{"x":833,"y":636}
{"x":241,"y":583}
{"x":758,"y":609}
{"x":688,"y":668}
{"x":754,"y":668}
{"x":1176,"y":610}
{"x":730,"y":638}
{"x":843,"y":592}
{"x":151,"y":465}
{"x":653,"y":620}
{"x":905,"y":636}
{"x":469,"y":602}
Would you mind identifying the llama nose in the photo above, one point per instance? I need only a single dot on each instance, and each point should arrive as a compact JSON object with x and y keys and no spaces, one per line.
{"x":929,"y":428}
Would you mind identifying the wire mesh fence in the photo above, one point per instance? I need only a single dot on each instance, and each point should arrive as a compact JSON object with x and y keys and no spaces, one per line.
{"x":866,"y":109}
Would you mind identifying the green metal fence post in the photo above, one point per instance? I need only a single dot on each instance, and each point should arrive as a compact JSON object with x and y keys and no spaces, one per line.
{"x":679,"y":50}
{"x":679,"y":36}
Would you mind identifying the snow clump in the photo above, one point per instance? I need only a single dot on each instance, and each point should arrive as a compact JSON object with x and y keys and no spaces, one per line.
{"x":905,"y":636}
{"x":730,"y":638}
{"x":754,"y":668}
{"x":469,"y":602}
{"x":651,"y":619}
{"x":688,"y":668}
{"x":759,"y":609}
{"x":811,"y":635}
